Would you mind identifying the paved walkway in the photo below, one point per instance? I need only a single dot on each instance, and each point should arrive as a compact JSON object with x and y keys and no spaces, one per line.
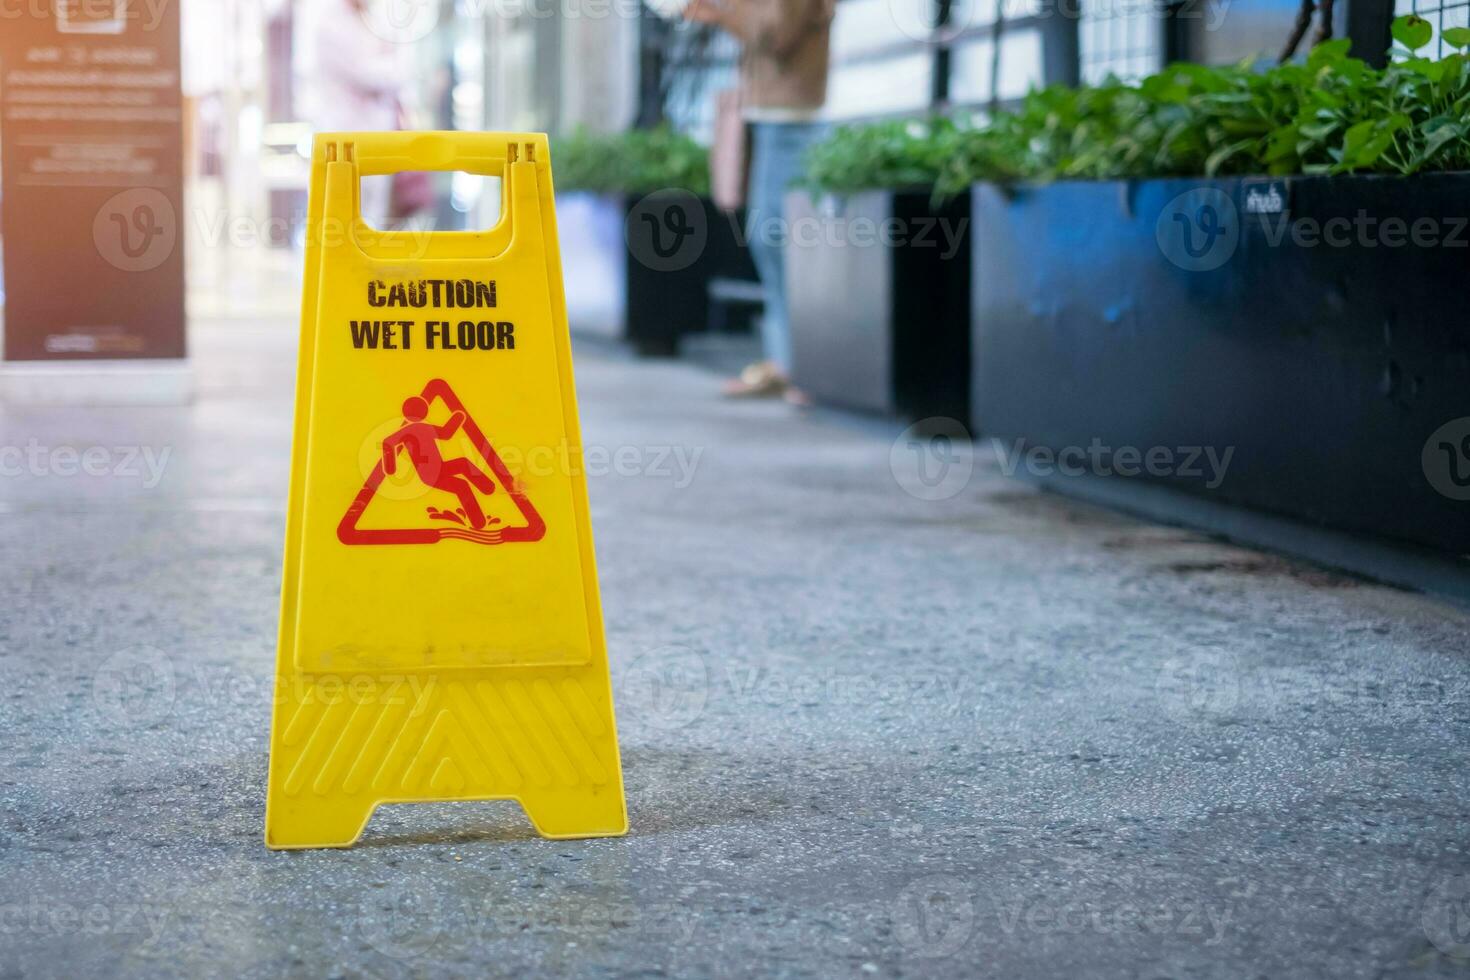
{"x":864,"y":733}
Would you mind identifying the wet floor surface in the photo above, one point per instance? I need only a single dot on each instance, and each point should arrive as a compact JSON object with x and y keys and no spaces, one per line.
{"x":864,"y":732}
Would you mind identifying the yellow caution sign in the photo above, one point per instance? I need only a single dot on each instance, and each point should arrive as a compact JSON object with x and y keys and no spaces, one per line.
{"x":441,"y":632}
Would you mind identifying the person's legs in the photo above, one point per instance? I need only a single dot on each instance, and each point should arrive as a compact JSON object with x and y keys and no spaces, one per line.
{"x":463,"y":467}
{"x":467,"y":499}
{"x":762,"y":227}
{"x":776,"y":158}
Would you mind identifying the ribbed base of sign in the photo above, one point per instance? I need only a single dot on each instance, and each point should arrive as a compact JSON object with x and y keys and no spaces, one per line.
{"x":102,"y":382}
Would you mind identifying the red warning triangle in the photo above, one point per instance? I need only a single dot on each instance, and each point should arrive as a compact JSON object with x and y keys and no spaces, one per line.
{"x":416,"y":442}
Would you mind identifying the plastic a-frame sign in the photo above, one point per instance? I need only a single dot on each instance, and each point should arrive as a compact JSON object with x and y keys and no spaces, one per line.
{"x":441,"y":633}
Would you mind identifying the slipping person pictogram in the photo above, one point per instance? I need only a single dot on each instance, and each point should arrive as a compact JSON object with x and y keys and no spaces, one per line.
{"x":419,"y":439}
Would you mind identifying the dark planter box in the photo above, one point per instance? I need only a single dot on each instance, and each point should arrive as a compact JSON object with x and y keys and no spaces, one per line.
{"x":1318,"y":339}
{"x":639,"y":266}
{"x":677,"y":243}
{"x":880,"y":319}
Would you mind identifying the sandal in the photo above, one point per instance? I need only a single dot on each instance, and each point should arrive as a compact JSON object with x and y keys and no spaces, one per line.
{"x":762,"y":380}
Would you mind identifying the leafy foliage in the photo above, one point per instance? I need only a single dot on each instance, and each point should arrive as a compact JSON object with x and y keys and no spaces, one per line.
{"x":638,"y":161}
{"x":901,"y":153}
{"x":1329,"y":114}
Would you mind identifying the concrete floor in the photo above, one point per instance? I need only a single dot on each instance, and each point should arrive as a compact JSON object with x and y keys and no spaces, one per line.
{"x":864,"y":733}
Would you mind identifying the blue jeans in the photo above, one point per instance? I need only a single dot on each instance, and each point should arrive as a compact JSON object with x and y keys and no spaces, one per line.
{"x":775,"y":161}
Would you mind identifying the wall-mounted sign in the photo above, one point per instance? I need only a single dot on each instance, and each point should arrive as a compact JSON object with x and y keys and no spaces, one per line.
{"x":91,"y":206}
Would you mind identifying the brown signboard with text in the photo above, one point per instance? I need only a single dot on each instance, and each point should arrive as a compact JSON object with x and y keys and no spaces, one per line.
{"x":91,"y":202}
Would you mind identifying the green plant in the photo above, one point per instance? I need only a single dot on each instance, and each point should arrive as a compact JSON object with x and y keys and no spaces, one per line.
{"x":638,"y":161}
{"x":1328,"y":114}
{"x":902,"y":153}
